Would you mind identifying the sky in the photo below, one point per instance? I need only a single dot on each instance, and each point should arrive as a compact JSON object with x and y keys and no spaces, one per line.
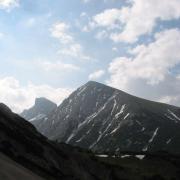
{"x":50,"y":48}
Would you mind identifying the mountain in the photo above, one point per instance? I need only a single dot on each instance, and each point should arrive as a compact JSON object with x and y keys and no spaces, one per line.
{"x":41,"y":109}
{"x":26,"y":154}
{"x":105,"y":119}
{"x":20,"y":142}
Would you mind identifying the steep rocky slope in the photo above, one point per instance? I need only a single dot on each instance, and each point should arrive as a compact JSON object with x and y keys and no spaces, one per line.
{"x":102,"y":118}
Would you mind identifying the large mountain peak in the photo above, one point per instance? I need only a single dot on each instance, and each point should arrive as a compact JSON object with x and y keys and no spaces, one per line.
{"x":101,"y":118}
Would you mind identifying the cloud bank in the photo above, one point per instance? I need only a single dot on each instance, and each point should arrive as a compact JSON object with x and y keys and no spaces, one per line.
{"x":19,"y":97}
{"x":140,"y":17}
{"x":8,"y":5}
{"x":150,"y":72}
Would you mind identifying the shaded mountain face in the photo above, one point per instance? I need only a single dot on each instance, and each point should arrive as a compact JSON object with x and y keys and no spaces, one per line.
{"x":12,"y":170}
{"x":102,"y":118}
{"x":41,"y":109}
{"x":26,"y":154}
{"x":20,"y":141}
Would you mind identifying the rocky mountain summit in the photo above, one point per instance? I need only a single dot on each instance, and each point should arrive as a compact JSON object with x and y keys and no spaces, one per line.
{"x":105,"y":119}
{"x":41,"y":109}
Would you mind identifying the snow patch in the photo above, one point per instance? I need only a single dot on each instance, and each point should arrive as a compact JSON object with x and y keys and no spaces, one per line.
{"x":154,"y":134}
{"x":125,"y":156}
{"x":39,"y":116}
{"x":126,"y":115}
{"x":102,"y":155}
{"x":114,"y":106}
{"x":174,"y":115}
{"x":82,"y":89}
{"x":145,"y":148}
{"x":70,"y":137}
{"x":140,"y":156}
{"x":121,"y":111}
{"x":143,"y":129}
{"x":168,"y":141}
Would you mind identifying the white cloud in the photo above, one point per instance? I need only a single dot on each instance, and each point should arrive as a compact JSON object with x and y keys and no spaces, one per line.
{"x":8,"y":4}
{"x":150,"y":72}
{"x":69,"y":46}
{"x":60,"y":30}
{"x":142,"y":17}
{"x":19,"y":97}
{"x":101,"y":35}
{"x":1,"y":35}
{"x":96,"y":75}
{"x":171,"y":99}
{"x":30,"y":22}
{"x":59,"y":66}
{"x":86,"y":1}
{"x":109,"y":18}
{"x":115,"y":49}
{"x":74,"y":50}
{"x":105,"y":1}
{"x":83,"y":14}
{"x":137,"y":19}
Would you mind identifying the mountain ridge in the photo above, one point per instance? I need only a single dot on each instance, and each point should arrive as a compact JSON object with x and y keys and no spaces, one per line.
{"x":153,"y":101}
{"x":101,"y":118}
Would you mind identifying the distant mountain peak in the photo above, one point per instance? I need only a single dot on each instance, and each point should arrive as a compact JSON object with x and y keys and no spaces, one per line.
{"x":42,"y":100}
{"x":41,"y":108}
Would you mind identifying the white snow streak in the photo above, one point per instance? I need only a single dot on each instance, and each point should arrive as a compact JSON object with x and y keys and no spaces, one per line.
{"x":102,"y":155}
{"x":126,"y":115}
{"x":81,"y":90}
{"x":70,"y":137}
{"x":125,"y":156}
{"x":174,"y":115}
{"x":39,"y":116}
{"x":154,"y":134}
{"x":115,"y":103}
{"x":168,"y":141}
{"x":121,"y":111}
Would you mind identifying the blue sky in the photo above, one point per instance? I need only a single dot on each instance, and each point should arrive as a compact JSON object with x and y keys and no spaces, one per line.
{"x":49,"y":48}
{"x":27,"y":38}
